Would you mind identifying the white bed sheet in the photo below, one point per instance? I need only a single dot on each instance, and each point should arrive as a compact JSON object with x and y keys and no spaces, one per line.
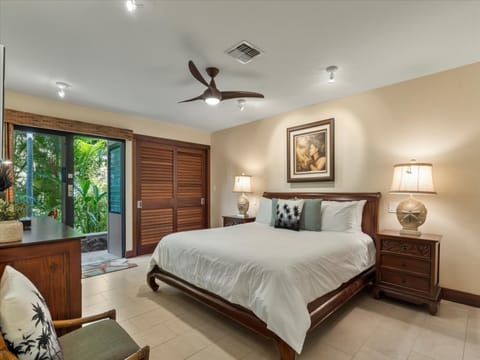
{"x":274,"y":273}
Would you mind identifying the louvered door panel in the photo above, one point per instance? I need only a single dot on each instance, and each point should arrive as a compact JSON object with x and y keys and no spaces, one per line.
{"x":190,"y":175}
{"x":190,"y":218}
{"x":156,"y":223}
{"x":157,"y":194}
{"x":171,"y":184}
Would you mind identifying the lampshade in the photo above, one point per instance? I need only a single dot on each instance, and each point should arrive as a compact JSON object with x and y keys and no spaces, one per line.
{"x":412,"y":178}
{"x":242,"y":183}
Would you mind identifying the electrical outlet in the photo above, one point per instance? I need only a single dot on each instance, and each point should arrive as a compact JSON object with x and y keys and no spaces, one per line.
{"x":392,"y":206}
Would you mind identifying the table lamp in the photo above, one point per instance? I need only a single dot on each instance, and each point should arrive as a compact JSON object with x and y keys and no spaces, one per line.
{"x":242,"y":185}
{"x":412,"y":178}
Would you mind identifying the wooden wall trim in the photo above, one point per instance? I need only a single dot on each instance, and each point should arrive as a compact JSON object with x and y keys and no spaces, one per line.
{"x":461,"y":297}
{"x":171,"y":142}
{"x":73,"y":126}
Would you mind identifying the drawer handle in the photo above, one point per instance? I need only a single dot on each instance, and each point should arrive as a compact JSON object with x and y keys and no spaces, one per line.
{"x":404,"y":247}
{"x":404,"y":281}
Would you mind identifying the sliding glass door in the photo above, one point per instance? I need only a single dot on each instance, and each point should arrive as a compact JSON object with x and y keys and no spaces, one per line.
{"x":40,"y":180}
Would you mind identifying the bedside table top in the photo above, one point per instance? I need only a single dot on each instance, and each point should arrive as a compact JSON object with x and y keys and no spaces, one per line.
{"x":239,"y":217}
{"x":396,"y":233}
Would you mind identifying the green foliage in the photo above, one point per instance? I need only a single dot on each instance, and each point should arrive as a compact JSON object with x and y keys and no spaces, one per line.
{"x":91,"y":202}
{"x":11,"y":211}
{"x":90,"y":178}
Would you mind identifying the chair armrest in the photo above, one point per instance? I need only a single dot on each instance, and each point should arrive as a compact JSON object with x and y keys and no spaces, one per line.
{"x":62,"y":324}
{"x":142,"y":354}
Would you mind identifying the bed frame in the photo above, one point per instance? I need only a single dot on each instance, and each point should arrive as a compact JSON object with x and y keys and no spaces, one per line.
{"x":319,"y":309}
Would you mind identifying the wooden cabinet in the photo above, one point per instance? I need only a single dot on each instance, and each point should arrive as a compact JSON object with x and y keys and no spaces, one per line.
{"x":49,"y":255}
{"x":230,"y":220}
{"x":408,"y":267}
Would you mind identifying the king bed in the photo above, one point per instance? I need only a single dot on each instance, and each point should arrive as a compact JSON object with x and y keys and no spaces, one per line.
{"x":279,"y":283}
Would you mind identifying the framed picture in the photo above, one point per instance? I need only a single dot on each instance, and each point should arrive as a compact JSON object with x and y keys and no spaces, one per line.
{"x":310,"y":152}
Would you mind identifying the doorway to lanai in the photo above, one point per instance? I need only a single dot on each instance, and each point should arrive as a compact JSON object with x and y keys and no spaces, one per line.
{"x":77,"y":179}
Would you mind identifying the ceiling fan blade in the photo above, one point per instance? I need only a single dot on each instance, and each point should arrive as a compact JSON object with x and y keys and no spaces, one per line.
{"x":240,"y":94}
{"x":192,"y":99}
{"x":195,"y":73}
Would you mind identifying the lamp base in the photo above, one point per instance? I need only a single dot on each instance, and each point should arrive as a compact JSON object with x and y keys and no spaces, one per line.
{"x":243,"y":205}
{"x":410,"y":232}
{"x":411,"y":213}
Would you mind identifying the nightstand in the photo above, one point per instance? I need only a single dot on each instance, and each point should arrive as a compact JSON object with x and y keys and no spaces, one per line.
{"x":235,"y":220}
{"x":408,"y":268}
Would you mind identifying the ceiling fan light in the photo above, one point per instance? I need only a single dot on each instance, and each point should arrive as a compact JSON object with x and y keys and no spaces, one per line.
{"x":212,"y":101}
{"x":131,"y":5}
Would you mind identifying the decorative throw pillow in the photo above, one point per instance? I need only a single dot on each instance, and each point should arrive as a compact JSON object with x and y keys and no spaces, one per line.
{"x":288,"y":214}
{"x":311,"y":215}
{"x":25,"y":321}
{"x":274,"y":211}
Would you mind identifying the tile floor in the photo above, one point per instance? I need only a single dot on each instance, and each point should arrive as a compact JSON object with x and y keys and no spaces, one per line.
{"x":178,"y":328}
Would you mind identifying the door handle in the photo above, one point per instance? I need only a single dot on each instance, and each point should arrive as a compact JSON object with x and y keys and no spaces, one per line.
{"x":139,"y":204}
{"x":202,"y":201}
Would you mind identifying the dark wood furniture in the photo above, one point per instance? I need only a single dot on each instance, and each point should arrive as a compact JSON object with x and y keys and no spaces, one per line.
{"x":229,"y":220}
{"x":408,"y":268}
{"x":49,"y":255}
{"x":171,"y":189}
{"x":319,"y":309}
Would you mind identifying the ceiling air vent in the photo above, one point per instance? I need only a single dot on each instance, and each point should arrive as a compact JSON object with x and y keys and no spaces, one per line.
{"x":244,"y":52}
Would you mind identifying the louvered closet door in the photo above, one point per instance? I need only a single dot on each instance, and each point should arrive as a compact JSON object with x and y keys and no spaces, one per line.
{"x":191,"y":189}
{"x":172,"y":186}
{"x":156,"y":212}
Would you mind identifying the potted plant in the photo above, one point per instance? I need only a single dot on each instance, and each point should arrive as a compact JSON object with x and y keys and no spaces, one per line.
{"x":10,"y":228}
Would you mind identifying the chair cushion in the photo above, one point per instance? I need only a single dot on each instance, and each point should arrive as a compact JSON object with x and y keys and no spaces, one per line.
{"x":100,"y":341}
{"x":25,"y":321}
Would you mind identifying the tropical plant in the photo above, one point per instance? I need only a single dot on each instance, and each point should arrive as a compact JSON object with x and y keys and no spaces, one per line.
{"x":90,"y":206}
{"x":11,"y":211}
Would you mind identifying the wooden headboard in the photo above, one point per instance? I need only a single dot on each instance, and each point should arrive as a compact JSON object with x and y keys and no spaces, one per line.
{"x":370,"y":211}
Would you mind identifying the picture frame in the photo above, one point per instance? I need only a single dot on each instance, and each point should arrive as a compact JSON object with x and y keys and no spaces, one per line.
{"x":311,"y":152}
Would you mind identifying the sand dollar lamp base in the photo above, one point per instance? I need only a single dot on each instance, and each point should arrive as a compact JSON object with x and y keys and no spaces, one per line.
{"x":243,"y":205}
{"x":411,"y":213}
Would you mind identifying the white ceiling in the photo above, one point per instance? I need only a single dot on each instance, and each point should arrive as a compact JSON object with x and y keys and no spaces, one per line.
{"x":137,"y":63}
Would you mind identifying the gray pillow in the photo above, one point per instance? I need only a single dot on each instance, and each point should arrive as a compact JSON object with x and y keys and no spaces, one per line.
{"x":274,"y":211}
{"x":311,"y":215}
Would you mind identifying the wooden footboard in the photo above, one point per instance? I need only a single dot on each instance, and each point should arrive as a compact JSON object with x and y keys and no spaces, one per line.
{"x":319,"y":309}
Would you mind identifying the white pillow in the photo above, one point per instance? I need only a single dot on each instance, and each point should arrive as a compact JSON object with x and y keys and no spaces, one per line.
{"x":342,"y":215}
{"x":25,"y":321}
{"x":264,"y":213}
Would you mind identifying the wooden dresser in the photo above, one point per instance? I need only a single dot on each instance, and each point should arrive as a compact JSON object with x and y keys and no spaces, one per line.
{"x":49,"y":255}
{"x":408,"y":267}
{"x":235,"y":220}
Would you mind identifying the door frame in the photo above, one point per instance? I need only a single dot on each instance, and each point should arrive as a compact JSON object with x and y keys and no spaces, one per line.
{"x":136,"y":184}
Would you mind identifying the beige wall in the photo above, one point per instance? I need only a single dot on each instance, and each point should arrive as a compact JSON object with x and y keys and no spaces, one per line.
{"x":63,"y":109}
{"x":432,"y":119}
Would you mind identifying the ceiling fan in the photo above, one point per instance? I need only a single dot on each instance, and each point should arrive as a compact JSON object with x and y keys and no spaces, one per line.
{"x":212,"y":96}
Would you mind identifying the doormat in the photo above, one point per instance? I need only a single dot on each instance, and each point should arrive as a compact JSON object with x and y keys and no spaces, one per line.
{"x":106,"y":267}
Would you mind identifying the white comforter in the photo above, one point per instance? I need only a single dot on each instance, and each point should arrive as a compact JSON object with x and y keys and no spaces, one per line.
{"x":273,"y":272}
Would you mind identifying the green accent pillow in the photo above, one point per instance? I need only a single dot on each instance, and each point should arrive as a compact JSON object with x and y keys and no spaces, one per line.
{"x":311,"y":215}
{"x":274,"y":211}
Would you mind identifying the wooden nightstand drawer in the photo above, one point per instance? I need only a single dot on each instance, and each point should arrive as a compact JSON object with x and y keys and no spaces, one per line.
{"x":405,"y":280}
{"x":406,"y":247}
{"x":405,"y":263}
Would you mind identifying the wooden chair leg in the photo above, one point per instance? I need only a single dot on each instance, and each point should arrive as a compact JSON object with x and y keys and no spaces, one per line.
{"x":286,"y":352}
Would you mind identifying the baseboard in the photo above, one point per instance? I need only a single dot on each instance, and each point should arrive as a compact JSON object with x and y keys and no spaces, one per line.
{"x":129,"y":253}
{"x":461,"y":297}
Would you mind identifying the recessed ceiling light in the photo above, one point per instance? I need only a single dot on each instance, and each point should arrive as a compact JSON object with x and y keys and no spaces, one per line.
{"x":62,"y":86}
{"x":331,"y":70}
